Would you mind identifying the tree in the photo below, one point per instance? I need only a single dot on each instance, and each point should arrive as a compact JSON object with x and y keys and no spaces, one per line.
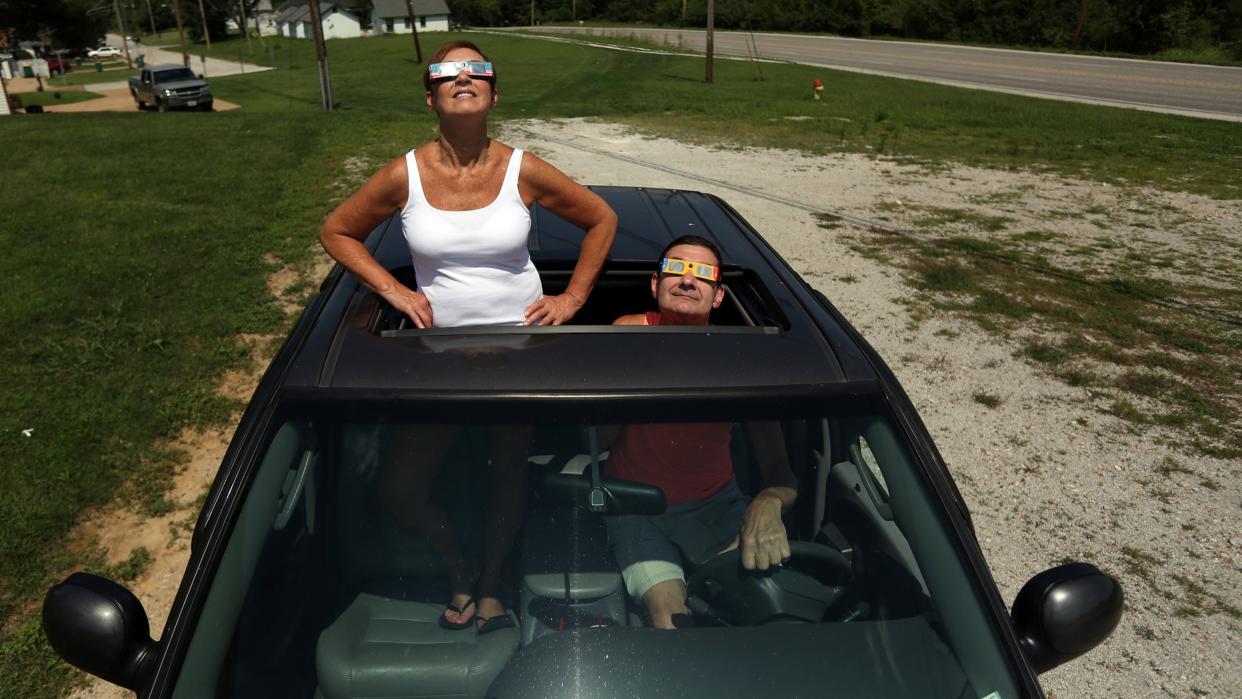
{"x":65,"y":23}
{"x":218,"y":14}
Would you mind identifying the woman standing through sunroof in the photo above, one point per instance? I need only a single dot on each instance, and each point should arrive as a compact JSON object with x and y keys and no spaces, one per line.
{"x":464,"y":201}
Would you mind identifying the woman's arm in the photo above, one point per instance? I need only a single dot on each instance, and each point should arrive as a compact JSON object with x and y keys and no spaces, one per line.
{"x":346,"y":227}
{"x":554,"y":191}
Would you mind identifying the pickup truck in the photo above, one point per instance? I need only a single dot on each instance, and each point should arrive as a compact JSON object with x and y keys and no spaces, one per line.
{"x":170,"y":86}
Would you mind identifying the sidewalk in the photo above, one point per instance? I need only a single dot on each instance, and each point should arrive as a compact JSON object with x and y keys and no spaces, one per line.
{"x":212,"y":68}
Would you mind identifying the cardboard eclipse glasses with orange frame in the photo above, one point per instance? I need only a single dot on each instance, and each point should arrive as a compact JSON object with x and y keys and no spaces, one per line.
{"x":451,"y":69}
{"x":702,"y":270}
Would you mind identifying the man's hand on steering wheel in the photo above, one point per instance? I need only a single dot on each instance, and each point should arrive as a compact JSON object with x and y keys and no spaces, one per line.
{"x":762,"y":537}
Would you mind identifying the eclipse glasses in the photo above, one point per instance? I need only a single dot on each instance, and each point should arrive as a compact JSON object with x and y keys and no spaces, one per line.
{"x":451,"y":69}
{"x":702,"y":270}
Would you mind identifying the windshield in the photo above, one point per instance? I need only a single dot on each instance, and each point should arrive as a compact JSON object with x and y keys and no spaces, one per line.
{"x":336,"y":576}
{"x":172,"y":76}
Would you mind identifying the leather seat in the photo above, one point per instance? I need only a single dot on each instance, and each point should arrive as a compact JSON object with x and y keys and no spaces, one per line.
{"x":381,"y":647}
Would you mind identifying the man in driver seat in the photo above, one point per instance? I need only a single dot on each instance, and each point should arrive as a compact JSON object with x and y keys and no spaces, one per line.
{"x":707,"y":513}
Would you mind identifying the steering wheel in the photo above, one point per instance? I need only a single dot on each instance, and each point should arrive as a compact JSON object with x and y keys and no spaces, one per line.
{"x":811,"y":583}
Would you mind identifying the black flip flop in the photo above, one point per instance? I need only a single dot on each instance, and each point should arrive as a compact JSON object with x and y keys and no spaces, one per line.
{"x":457,"y":625}
{"x":495,"y":623}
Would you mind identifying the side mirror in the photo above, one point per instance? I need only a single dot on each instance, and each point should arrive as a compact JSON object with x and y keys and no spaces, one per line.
{"x":1064,"y":612}
{"x":200,"y":76}
{"x":100,"y":627}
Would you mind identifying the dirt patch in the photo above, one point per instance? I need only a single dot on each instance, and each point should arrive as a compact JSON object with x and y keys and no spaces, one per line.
{"x":113,"y":100}
{"x":119,"y":531}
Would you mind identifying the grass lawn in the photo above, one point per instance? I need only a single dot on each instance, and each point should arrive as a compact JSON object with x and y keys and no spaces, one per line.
{"x":126,"y":291}
{"x":87,"y":74}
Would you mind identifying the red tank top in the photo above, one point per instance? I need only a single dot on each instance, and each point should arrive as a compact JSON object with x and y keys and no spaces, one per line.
{"x":688,"y":461}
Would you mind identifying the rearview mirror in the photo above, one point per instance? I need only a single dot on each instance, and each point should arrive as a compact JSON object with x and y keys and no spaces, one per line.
{"x":100,"y":627}
{"x":1064,"y":612}
{"x":620,"y":497}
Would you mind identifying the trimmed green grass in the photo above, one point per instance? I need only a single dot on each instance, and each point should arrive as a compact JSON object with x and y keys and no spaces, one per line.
{"x":122,"y":304}
{"x":87,"y":75}
{"x":125,"y":294}
{"x":53,"y":97}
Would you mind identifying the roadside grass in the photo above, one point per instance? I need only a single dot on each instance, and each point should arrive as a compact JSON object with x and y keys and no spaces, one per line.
{"x":54,"y":97}
{"x":126,"y":293}
{"x":1207,"y":55}
{"x":1157,"y":353}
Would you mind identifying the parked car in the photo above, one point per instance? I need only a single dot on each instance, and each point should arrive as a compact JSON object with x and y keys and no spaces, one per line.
{"x":103,"y":52}
{"x":57,"y":63}
{"x":170,"y":86}
{"x":300,"y":585}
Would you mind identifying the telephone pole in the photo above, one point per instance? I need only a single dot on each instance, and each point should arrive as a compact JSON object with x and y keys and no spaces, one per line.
{"x":151,"y":16}
{"x":409,"y":12}
{"x":120,"y":19}
{"x":321,"y":53}
{"x":711,"y":28}
{"x":185,"y":51}
{"x":206,"y":34}
{"x":244,"y":28}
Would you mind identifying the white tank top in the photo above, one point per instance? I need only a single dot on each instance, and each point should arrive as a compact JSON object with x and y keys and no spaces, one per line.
{"x":473,"y":266}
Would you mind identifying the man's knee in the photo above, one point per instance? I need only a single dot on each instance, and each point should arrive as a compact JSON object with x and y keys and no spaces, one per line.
{"x":661,"y":587}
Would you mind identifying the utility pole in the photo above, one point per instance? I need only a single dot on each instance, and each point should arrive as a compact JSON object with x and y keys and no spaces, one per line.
{"x":532,"y":13}
{"x":244,"y":28}
{"x":206,"y":34}
{"x":711,"y":28}
{"x":683,"y":10}
{"x":120,"y":19}
{"x":409,"y":12}
{"x":185,"y":51}
{"x":321,"y":53}
{"x":151,"y":16}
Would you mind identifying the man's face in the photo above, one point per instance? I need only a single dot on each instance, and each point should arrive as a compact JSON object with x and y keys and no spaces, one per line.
{"x":686,"y":294}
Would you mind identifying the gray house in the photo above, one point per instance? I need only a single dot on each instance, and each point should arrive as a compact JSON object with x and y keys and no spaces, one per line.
{"x":389,"y":16}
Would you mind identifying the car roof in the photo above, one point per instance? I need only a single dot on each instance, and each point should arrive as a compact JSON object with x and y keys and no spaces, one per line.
{"x":797,"y":341}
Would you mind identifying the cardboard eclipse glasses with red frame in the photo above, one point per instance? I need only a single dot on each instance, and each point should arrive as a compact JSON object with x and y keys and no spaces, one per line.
{"x":451,"y":69}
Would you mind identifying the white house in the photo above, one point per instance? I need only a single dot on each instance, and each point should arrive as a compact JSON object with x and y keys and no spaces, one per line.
{"x":390,"y":17}
{"x":294,"y":21}
{"x":261,"y":19}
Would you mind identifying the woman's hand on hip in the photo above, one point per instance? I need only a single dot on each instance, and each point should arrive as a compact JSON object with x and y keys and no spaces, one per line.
{"x":552,"y":310}
{"x":412,"y":303}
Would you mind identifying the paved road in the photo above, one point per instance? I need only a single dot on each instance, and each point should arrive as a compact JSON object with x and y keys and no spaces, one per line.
{"x":1205,"y":91}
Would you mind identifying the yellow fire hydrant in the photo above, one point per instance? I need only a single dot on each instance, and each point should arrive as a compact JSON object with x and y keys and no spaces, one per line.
{"x":819,"y":88}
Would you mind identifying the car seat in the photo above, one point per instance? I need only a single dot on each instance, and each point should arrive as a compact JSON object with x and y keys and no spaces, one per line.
{"x":386,"y":642}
